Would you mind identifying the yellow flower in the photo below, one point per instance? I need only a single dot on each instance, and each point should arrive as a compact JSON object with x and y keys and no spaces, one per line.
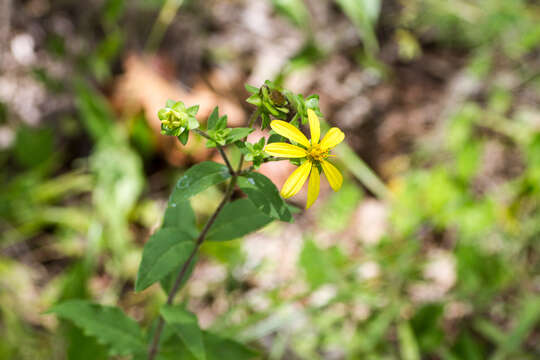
{"x":313,"y":151}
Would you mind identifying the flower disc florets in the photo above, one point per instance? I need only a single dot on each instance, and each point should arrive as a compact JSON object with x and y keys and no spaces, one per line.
{"x":316,"y":153}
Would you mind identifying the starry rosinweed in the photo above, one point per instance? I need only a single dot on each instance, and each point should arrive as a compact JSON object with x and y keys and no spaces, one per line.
{"x":314,"y":152}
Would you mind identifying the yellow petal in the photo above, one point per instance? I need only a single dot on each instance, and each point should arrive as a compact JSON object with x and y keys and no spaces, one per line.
{"x":285,"y":150}
{"x":333,"y":137}
{"x":314,"y":127}
{"x":335,"y":179}
{"x":289,"y":131}
{"x":296,"y":180}
{"x":313,"y":186}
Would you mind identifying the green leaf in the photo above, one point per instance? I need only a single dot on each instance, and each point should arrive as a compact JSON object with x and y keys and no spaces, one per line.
{"x":165,"y":251}
{"x":264,"y":195}
{"x":318,"y":265}
{"x":186,"y":326}
{"x":251,"y":89}
{"x":193,"y":110}
{"x":254,"y":99}
{"x":192,"y":123}
{"x":108,"y":324}
{"x":407,"y":342}
{"x":79,"y":346}
{"x":237,"y":219}
{"x":363,"y":15}
{"x":216,"y":347}
{"x":180,"y":215}
{"x":238,"y":134}
{"x":95,"y":112}
{"x":220,"y":348}
{"x":198,"y":178}
{"x":184,"y":137}
{"x":33,"y":146}
{"x":295,"y":10}
{"x":526,"y":320}
{"x":168,"y":281}
{"x":213,"y":119}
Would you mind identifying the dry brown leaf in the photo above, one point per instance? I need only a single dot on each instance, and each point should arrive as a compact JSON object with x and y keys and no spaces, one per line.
{"x":143,"y":87}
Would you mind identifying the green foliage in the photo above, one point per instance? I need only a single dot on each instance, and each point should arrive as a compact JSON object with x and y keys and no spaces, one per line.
{"x":165,"y":251}
{"x":265,"y":196}
{"x":71,"y":217}
{"x":320,"y":266}
{"x":33,"y":146}
{"x":364,"y":15}
{"x":185,"y":324}
{"x":198,"y":178}
{"x":221,"y":348}
{"x":272,"y":100}
{"x":295,"y":10}
{"x":408,"y":346}
{"x":237,"y":219}
{"x":108,"y":324}
{"x":220,"y":134}
{"x":180,"y":215}
{"x":254,"y":152}
{"x":177,"y":120}
{"x":216,"y":348}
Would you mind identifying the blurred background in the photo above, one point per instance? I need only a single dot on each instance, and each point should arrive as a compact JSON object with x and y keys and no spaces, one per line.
{"x":440,"y":259}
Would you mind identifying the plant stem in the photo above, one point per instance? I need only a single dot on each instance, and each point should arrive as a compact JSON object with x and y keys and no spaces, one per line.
{"x":251,"y":121}
{"x":220,"y":149}
{"x":153,"y":349}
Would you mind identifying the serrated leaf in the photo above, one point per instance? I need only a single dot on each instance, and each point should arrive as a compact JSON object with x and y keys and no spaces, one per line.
{"x":167,"y":249}
{"x":198,"y":178}
{"x":237,"y":219}
{"x":108,"y":324}
{"x":264,"y":195}
{"x":217,"y":348}
{"x":186,"y":326}
{"x":238,"y":134}
{"x":80,"y":346}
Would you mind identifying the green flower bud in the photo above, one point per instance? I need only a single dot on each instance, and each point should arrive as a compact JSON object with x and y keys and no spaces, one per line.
{"x":176,"y":118}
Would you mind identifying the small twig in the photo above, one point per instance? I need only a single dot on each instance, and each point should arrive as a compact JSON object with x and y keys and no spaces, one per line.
{"x":152,"y":352}
{"x":220,"y":149}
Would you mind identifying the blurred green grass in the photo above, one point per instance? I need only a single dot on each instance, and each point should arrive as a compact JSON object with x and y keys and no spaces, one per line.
{"x":454,"y":275}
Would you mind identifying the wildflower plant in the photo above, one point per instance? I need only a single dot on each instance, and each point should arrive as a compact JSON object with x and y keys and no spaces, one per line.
{"x":170,"y":254}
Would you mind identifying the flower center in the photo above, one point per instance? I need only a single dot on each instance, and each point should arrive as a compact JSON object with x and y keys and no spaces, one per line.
{"x":318,"y":154}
